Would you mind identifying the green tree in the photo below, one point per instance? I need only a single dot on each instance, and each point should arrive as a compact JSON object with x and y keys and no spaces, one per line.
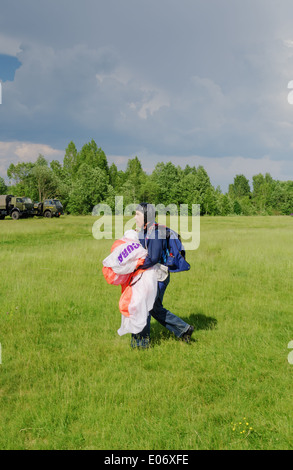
{"x":282,"y":197}
{"x":57,"y":169}
{"x":263,"y":187}
{"x":149,"y":191}
{"x":70,"y":162}
{"x":41,"y":161}
{"x":114,"y":177}
{"x":44,"y":179}
{"x":210,"y":206}
{"x":206,"y":191}
{"x":88,"y":189}
{"x":109,"y":197}
{"x":20,"y":172}
{"x":225,"y":204}
{"x":93,"y":156}
{"x":3,"y":187}
{"x":240,"y":188}
{"x":166,"y":177}
{"x":61,"y":183}
{"x":237,"y":207}
{"x":187,"y":170}
{"x":247,"y":207}
{"x":21,"y":179}
{"x":189,"y":189}
{"x":135,"y":179}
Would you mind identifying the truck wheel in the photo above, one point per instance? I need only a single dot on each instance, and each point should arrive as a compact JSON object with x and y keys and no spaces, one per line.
{"x":15,"y":215}
{"x":48,"y":214}
{"x":2,"y":217}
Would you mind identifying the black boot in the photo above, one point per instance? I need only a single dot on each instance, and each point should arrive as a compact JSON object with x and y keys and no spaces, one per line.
{"x":187,"y":335}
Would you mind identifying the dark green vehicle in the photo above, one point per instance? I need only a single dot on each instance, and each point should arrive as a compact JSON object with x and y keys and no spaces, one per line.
{"x":48,"y":209}
{"x":15,"y":207}
{"x":59,"y":206}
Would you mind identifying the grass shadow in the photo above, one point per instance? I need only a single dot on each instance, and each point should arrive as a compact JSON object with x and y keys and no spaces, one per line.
{"x":200,"y":322}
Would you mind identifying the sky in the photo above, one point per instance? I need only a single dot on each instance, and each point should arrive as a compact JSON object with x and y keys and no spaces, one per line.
{"x":197,"y":82}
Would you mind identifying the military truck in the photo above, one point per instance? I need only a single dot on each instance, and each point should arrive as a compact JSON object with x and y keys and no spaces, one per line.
{"x":59,"y":206}
{"x":16,"y":207}
{"x":48,"y":208}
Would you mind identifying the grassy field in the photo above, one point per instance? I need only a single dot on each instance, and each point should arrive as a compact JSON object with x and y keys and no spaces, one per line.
{"x":68,"y":381}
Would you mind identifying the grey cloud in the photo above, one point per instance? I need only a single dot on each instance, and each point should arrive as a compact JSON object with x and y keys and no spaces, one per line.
{"x":178,"y":78}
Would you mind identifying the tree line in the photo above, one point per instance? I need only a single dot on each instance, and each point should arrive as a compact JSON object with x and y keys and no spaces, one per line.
{"x":85,"y":179}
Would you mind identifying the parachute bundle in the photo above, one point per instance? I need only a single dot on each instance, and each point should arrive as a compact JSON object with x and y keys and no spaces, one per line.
{"x":139,"y":287}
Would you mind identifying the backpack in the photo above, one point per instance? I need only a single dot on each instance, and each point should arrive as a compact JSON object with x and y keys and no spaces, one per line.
{"x":174,"y":257}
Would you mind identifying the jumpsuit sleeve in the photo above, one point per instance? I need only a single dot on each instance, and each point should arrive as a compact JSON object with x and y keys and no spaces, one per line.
{"x":155,"y":252}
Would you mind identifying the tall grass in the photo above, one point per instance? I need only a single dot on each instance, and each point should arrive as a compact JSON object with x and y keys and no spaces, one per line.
{"x":68,"y":381}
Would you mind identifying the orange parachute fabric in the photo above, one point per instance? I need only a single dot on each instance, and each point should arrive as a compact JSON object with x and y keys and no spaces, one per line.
{"x":138,"y":286}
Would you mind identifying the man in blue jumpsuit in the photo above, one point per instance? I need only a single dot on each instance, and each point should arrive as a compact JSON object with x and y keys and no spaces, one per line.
{"x":156,"y":246}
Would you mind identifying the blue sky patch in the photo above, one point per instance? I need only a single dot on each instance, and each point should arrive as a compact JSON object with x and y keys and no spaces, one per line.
{"x":8,"y":66}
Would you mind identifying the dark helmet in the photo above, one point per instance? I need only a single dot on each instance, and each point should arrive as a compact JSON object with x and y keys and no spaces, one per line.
{"x":148,"y":210}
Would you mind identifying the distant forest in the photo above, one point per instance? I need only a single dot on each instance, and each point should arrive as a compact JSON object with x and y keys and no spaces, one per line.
{"x":85,"y":179}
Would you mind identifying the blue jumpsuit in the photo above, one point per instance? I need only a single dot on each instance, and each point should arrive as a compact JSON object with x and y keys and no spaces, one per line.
{"x":149,"y":238}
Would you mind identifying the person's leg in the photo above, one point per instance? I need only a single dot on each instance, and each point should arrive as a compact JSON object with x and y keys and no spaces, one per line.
{"x":142,"y":339}
{"x":173,"y":323}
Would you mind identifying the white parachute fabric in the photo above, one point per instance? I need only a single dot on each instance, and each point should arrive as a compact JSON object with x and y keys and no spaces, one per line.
{"x":124,"y":258}
{"x":143,"y":295}
{"x":139,"y":290}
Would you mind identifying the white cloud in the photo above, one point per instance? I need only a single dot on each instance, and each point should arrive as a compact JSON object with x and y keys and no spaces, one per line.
{"x":19,"y":152}
{"x":288,"y":43}
{"x":150,"y":106}
{"x":28,"y":152}
{"x":121,"y":75}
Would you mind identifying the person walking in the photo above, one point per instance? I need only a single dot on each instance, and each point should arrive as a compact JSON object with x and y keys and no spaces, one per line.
{"x":156,"y":246}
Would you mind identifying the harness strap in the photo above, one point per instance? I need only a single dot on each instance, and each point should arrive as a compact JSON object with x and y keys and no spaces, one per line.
{"x":133,"y":283}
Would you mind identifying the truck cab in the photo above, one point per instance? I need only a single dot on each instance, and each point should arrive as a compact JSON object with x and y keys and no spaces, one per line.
{"x":15,"y":207}
{"x":59,"y":207}
{"x":48,"y":208}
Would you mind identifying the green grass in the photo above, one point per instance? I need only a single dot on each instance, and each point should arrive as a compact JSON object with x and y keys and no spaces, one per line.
{"x":68,"y":381}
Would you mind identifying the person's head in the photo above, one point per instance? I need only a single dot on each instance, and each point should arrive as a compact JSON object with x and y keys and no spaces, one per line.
{"x":145,"y":214}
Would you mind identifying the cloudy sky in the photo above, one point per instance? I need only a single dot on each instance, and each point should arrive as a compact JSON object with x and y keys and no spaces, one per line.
{"x":198,"y":82}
